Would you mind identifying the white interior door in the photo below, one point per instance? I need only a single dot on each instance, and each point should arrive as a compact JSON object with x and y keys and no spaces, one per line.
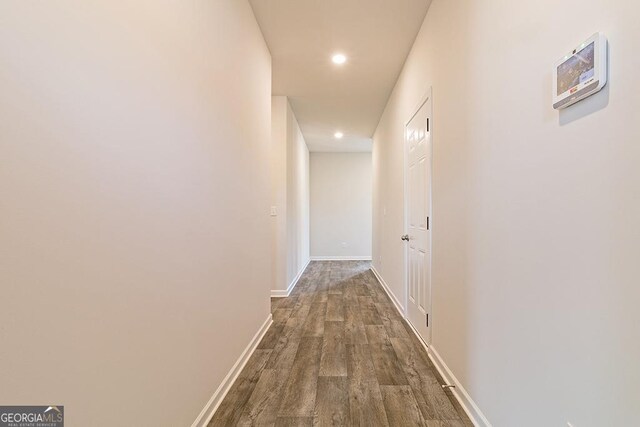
{"x":418,"y":220}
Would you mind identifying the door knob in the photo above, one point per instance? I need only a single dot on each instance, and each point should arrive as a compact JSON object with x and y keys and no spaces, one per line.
{"x":405,"y":237}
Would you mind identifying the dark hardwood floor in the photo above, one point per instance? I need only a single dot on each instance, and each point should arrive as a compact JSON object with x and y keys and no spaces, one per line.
{"x":338,"y":353}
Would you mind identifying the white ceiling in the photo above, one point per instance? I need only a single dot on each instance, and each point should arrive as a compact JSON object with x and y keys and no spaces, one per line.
{"x":302,"y":35}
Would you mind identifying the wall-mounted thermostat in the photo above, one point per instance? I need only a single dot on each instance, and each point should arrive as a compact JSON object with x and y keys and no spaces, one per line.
{"x":581,"y":72}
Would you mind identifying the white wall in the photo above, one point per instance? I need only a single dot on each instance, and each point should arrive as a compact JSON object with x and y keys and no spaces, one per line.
{"x":535,"y":231}
{"x":290,"y":196}
{"x":341,"y":205}
{"x":297,"y":198}
{"x":279,"y":255}
{"x":135,"y":204}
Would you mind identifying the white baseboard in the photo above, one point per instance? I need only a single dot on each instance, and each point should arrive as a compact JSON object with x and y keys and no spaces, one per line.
{"x":285,"y":293}
{"x":473,"y":412}
{"x":475,"y":415}
{"x":395,"y":300}
{"x":212,"y":405}
{"x":341,"y":258}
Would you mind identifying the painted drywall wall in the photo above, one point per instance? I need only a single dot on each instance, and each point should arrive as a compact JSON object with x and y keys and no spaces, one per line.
{"x":341,"y":203}
{"x":289,"y":195}
{"x":535,"y":238}
{"x":135,"y":204}
{"x":279,"y":194}
{"x":297,"y":198}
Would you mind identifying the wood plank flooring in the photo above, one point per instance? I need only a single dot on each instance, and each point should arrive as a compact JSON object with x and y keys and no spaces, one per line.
{"x":338,"y":354}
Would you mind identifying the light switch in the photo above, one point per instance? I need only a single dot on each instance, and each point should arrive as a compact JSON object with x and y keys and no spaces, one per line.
{"x":274,"y":211}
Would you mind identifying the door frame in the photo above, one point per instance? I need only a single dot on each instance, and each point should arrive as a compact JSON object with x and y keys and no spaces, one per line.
{"x":427,"y":97}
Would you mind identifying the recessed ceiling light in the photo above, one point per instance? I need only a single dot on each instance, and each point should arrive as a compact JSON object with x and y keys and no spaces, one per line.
{"x":339,"y":59}
{"x":338,"y":135}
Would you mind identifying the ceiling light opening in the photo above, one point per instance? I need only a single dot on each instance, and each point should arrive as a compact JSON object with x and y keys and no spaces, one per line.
{"x":339,"y":59}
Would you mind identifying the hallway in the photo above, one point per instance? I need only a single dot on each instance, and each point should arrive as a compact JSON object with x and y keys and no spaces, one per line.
{"x":304,"y":212}
{"x":338,"y":353}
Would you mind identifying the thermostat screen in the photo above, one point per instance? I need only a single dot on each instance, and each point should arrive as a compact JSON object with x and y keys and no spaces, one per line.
{"x":577,"y":69}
